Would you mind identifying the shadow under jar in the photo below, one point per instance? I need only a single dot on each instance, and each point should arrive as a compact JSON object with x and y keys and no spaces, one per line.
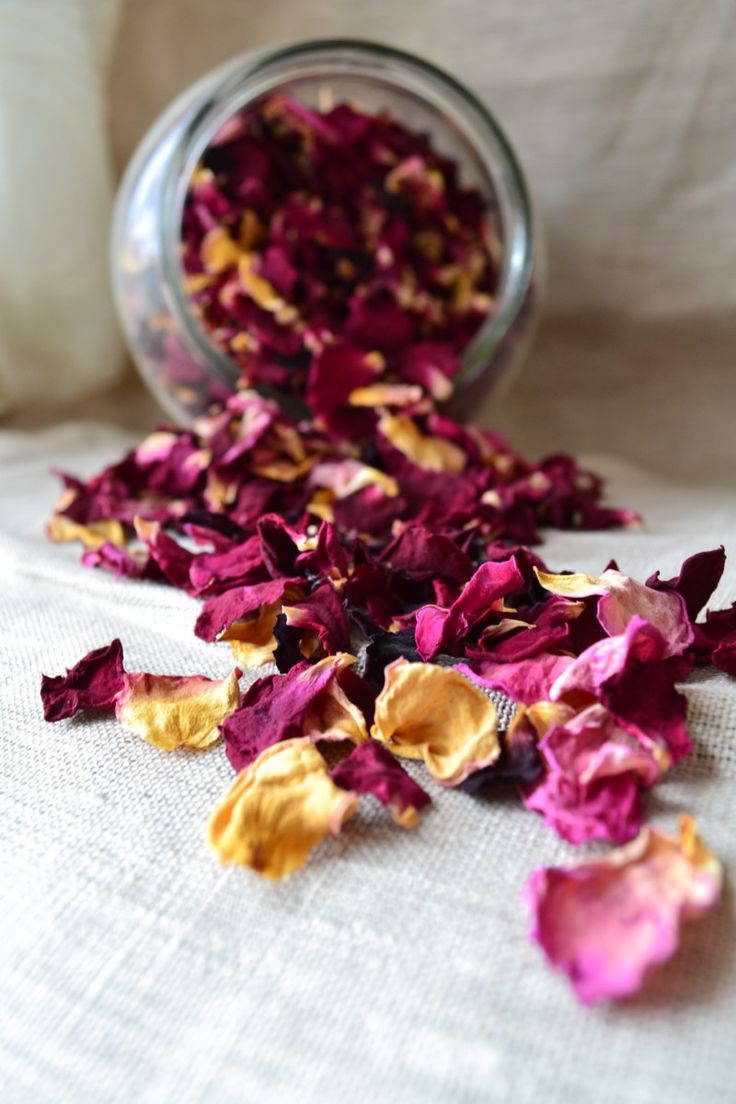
{"x":194,"y":298}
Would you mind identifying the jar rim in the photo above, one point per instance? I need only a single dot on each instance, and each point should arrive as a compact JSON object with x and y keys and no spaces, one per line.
{"x":236,"y":83}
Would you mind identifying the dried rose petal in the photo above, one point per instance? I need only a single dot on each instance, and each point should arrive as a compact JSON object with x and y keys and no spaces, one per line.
{"x":439,"y":629}
{"x":698,"y":578}
{"x":93,"y":683}
{"x":433,"y":453}
{"x":421,"y":554}
{"x":173,"y":711}
{"x":595,"y":772}
{"x":370,"y":768}
{"x":253,"y":641}
{"x":433,"y":713}
{"x":632,"y":676}
{"x":605,"y":922}
{"x":715,"y":637}
{"x":92,"y":535}
{"x":173,"y":560}
{"x":278,"y":809}
{"x":527,"y":681}
{"x":622,"y":598}
{"x":322,"y":612}
{"x":300,"y":703}
{"x":221,"y":612}
{"x":119,"y":561}
{"x":519,"y":760}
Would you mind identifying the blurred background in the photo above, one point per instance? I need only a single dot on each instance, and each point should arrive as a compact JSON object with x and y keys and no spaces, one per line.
{"x":623,"y":115}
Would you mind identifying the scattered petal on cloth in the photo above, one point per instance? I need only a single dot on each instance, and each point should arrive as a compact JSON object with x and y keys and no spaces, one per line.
{"x":370,"y":768}
{"x":594,"y":773}
{"x":605,"y":922}
{"x":173,"y":711}
{"x":118,"y":561}
{"x":278,"y":809}
{"x":435,"y":714}
{"x":371,"y":522}
{"x":93,"y":683}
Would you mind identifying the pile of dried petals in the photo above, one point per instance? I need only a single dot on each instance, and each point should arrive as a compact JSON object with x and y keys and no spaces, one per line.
{"x":376,"y":553}
{"x":336,"y":245}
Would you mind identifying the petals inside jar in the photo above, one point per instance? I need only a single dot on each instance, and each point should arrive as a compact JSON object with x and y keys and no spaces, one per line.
{"x":302,"y":229}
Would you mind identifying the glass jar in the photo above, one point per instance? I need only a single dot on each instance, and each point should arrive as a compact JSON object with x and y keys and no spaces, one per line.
{"x":180,"y":362}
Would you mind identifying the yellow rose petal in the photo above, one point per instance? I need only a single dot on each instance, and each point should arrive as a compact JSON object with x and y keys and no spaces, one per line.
{"x":433,"y":453}
{"x":570,"y":586}
{"x":435,"y":714}
{"x":92,"y":535}
{"x":218,"y":250}
{"x":252,"y":642}
{"x":278,"y":809}
{"x":173,"y":711}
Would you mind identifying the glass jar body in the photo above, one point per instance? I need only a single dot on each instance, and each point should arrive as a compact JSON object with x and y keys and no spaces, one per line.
{"x":182,"y":366}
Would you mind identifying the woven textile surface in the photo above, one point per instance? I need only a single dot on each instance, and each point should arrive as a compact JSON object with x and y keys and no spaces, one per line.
{"x":396,"y":967}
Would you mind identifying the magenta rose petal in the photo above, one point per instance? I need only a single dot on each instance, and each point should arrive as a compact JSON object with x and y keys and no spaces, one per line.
{"x":605,"y":922}
{"x":370,"y":768}
{"x":93,"y":683}
{"x":697,"y":579}
{"x":222,"y":611}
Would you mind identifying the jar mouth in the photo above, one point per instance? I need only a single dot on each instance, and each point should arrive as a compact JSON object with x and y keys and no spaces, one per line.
{"x":250,"y":76}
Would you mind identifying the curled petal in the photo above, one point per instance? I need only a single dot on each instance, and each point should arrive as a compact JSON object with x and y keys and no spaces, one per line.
{"x":435,"y":714}
{"x":332,"y":716}
{"x":224,"y":610}
{"x":278,"y":809}
{"x":93,"y":683}
{"x":439,"y":629}
{"x":322,"y":612}
{"x":606,"y":921}
{"x":697,"y":579}
{"x":370,"y":768}
{"x":634,"y":678}
{"x":173,"y":711}
{"x":172,"y":558}
{"x":119,"y":561}
{"x":608,"y":808}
